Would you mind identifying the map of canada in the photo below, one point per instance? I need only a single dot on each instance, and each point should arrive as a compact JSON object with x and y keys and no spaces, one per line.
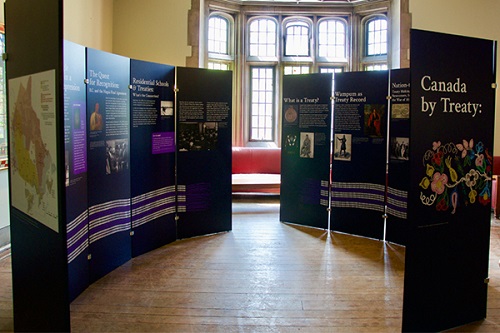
{"x":33,"y":147}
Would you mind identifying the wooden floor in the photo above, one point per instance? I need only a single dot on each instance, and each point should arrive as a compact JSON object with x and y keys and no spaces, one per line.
{"x":263,"y":276}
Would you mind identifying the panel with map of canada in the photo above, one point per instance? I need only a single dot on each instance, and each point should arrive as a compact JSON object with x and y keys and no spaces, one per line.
{"x":33,"y":146}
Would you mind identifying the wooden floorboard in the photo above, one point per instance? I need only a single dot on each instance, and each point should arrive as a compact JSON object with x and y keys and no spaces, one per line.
{"x":263,"y":276}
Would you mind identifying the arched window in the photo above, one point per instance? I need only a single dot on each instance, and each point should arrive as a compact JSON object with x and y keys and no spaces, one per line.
{"x":218,"y":35}
{"x":332,"y":39}
{"x":262,"y":38}
{"x":260,"y":48}
{"x":219,"y":42}
{"x":376,"y":36}
{"x":376,"y":41}
{"x":297,"y":39}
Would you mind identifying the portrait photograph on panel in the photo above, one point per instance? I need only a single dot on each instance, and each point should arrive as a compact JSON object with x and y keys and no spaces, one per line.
{"x":342,"y":147}
{"x":307,"y":144}
{"x":400,"y":148}
{"x":374,"y":115}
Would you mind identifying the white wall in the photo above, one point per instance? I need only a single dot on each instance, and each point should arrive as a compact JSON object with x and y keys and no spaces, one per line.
{"x":152,"y":30}
{"x":89,"y":23}
{"x":478,"y":18}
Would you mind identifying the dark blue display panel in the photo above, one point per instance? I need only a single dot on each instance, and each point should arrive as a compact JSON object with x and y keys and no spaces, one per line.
{"x":152,"y":151}
{"x":75,"y":143}
{"x":108,"y":124}
{"x":39,"y":252}
{"x":204,"y":119}
{"x":398,"y":180}
{"x":449,"y":209}
{"x":359,"y":153}
{"x":305,"y":149}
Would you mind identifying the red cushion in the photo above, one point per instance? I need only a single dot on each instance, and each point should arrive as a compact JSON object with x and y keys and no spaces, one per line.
{"x":496,"y":165}
{"x":256,"y":160}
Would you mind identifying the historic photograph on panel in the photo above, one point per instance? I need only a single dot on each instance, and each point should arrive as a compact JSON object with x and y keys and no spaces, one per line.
{"x":374,"y":114}
{"x":307,"y":144}
{"x":342,"y":147}
{"x":167,"y":108}
{"x":198,"y":136}
{"x":116,"y":155}
{"x":400,"y":111}
{"x":400,"y":148}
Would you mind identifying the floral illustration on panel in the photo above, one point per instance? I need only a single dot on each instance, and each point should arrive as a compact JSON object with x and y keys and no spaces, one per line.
{"x":456,"y":174}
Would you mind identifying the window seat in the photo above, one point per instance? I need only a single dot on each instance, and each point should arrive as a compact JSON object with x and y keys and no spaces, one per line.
{"x":256,"y":170}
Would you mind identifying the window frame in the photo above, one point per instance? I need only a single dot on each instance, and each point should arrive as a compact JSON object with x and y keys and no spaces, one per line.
{"x":378,"y":59}
{"x":297,"y":65}
{"x":220,"y":57}
{"x":366,"y":28}
{"x":292,"y":21}
{"x":383,"y":66}
{"x":281,"y":61}
{"x":273,"y":103}
{"x":212,"y":62}
{"x":344,"y":60}
{"x":352,"y":16}
{"x":258,"y":58}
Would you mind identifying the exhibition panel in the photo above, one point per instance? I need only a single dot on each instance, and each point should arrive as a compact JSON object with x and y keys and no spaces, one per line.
{"x":449,"y":201}
{"x":204,"y":113}
{"x":398,"y":172}
{"x":108,"y":160}
{"x":112,"y":157}
{"x":36,"y":171}
{"x":359,"y":153}
{"x":305,"y":147}
{"x":75,"y":150}
{"x":152,"y":155}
